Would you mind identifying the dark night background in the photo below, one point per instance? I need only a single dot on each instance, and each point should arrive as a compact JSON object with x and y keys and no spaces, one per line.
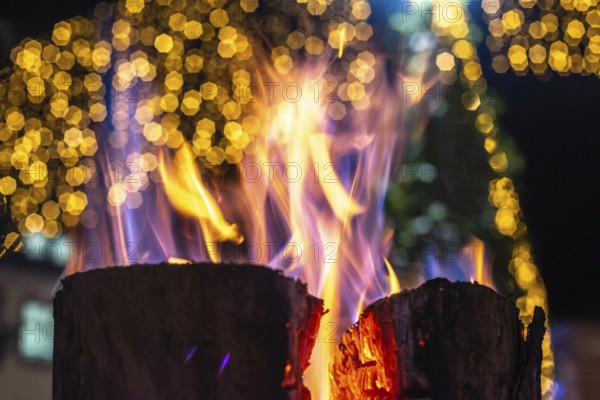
{"x":554,"y":123}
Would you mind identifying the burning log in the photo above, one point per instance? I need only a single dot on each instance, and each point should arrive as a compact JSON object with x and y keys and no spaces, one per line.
{"x":451,"y":341}
{"x":183,"y":332}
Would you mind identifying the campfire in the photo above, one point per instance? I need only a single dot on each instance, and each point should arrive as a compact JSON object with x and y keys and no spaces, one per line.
{"x":223,"y":136}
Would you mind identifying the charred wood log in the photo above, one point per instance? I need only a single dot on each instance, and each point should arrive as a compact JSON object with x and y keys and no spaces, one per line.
{"x":183,"y":332}
{"x":450,"y":341}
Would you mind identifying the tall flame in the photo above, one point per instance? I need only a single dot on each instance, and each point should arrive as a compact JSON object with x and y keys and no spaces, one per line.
{"x":309,"y":199}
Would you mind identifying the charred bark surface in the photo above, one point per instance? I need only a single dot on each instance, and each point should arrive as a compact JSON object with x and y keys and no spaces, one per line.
{"x":183,"y":332}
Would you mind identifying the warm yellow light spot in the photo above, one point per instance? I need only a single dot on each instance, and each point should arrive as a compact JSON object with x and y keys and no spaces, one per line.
{"x":526,"y":275}
{"x":66,"y":60}
{"x":576,"y":29}
{"x":537,"y":54}
{"x":233,"y":130}
{"x":177,"y":22}
{"x":117,"y":194}
{"x":219,"y":18}
{"x":153,"y":132}
{"x":101,"y":56}
{"x":361,"y":10}
{"x":567,"y":4}
{"x":472,"y":70}
{"x":227,"y":48}
{"x":445,"y":61}
{"x":169,"y":102}
{"x":490,"y":145}
{"x":215,"y":156}
{"x":550,"y":22}
{"x":51,"y":229}
{"x":8,"y":185}
{"x":15,"y":120}
{"x":209,"y":90}
{"x":296,"y":40}
{"x":61,"y":36}
{"x":121,"y":29}
{"x":594,"y":45}
{"x":593,"y":18}
{"x":34,"y":222}
{"x":356,"y":91}
{"x":559,"y":57}
{"x":36,"y":172}
{"x":174,"y":138}
{"x":233,"y":155}
{"x":73,"y":137}
{"x":496,"y":28}
{"x":518,"y":57}
{"x":201,"y":145}
{"x":174,"y":81}
{"x":499,"y":162}
{"x":249,"y":5}
{"x":164,"y":43}
{"x":194,"y":63}
{"x":505,"y":222}
{"x":191,"y":102}
{"x":74,"y":115}
{"x":148,"y":162}
{"x":362,"y":71}
{"x":134,"y":6}
{"x":537,"y":30}
{"x":284,"y":64}
{"x":363,"y":31}
{"x":314,"y":46}
{"x":50,"y":210}
{"x":513,"y":19}
{"x":232,"y":110}
{"x":463,"y":49}
{"x":193,"y":30}
{"x":98,"y":112}
{"x":75,"y":176}
{"x":316,"y":7}
{"x":205,"y":128}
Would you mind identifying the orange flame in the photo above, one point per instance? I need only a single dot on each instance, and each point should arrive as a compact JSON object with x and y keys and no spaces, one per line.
{"x":482,"y":269}
{"x":313,"y":207}
{"x":317,"y":200}
{"x":187,"y":194}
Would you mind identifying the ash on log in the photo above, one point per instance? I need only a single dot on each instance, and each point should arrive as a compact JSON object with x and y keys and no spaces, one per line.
{"x":442,"y":341}
{"x":183,"y":332}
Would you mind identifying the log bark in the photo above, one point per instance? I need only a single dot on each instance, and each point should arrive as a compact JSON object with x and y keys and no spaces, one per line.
{"x":450,"y":341}
{"x":183,"y":332}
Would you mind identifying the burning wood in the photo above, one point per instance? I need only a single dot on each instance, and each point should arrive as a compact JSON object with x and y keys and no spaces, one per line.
{"x":441,"y":341}
{"x":183,"y":332}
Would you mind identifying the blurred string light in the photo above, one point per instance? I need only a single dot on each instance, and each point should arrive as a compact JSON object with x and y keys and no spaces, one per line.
{"x":544,"y":36}
{"x":458,"y":62}
{"x":195,"y":62}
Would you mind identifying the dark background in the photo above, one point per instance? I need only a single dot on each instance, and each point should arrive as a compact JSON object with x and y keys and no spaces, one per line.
{"x":554,"y":123}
